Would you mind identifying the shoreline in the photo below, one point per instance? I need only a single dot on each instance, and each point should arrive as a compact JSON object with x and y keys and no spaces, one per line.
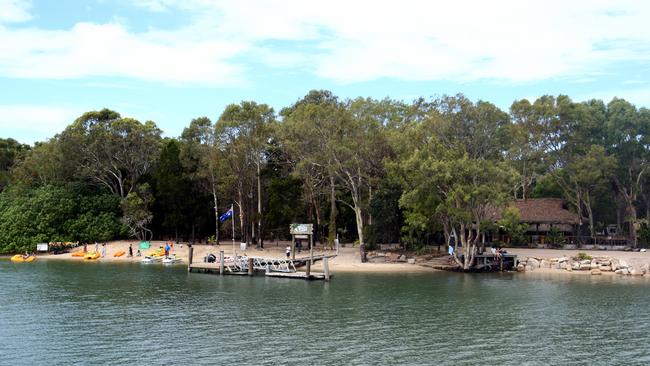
{"x":347,"y":261}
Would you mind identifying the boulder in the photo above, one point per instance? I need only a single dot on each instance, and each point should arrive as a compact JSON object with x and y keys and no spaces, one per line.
{"x":596,"y":272}
{"x":636,"y":272}
{"x":563,"y":259}
{"x":563,"y":265}
{"x":411,"y":261}
{"x":521,"y":267}
{"x":622,"y":271}
{"x":544,"y":264}
{"x":556,"y":265}
{"x":594,"y":265}
{"x":622,"y":264}
{"x":605,"y":268}
{"x":585,"y":261}
{"x":532,"y":263}
{"x":585,"y":266}
{"x":569,"y":268}
{"x":645,"y":268}
{"x":575,"y":266}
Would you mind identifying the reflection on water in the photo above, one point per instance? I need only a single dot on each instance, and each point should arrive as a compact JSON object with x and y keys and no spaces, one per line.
{"x":130,"y":313}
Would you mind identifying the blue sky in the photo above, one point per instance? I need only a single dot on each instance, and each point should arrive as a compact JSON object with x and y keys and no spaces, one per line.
{"x":173,"y":60}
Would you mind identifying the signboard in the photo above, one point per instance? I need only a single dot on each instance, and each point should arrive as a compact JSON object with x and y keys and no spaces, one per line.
{"x":41,"y":247}
{"x":302,"y":236}
{"x":301,"y":229}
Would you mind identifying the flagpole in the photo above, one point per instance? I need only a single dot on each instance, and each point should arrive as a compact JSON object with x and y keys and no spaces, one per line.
{"x":232,"y":217}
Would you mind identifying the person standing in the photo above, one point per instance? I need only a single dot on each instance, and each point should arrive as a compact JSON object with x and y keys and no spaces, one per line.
{"x":130,"y":250}
{"x":167,"y":248}
{"x":96,"y":247}
{"x":103,"y":250}
{"x":288,"y":251}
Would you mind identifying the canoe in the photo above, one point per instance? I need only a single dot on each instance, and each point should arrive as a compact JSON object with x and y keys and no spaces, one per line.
{"x":91,"y":255}
{"x":119,"y":254}
{"x":18,"y":258}
{"x":79,"y":254}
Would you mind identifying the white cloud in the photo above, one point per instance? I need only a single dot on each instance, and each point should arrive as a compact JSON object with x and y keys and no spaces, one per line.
{"x":30,"y":123}
{"x":346,"y":41}
{"x":14,"y":11}
{"x":110,"y":50}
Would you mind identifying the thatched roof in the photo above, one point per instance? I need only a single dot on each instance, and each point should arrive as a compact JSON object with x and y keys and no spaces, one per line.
{"x":543,"y":211}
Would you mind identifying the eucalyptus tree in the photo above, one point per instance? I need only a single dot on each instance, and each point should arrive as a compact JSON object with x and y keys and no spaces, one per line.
{"x":11,"y":151}
{"x":628,"y":142}
{"x":456,"y":173}
{"x":203,"y":158}
{"x":244,"y":131}
{"x":110,"y":150}
{"x":115,"y":153}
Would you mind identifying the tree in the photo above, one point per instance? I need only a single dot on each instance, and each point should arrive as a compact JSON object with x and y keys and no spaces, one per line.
{"x":456,"y":174}
{"x":112,"y":151}
{"x":137,"y":216}
{"x":626,"y":141}
{"x":244,"y":130}
{"x":11,"y":151}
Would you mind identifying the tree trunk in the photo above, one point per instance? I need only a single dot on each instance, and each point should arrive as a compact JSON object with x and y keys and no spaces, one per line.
{"x":359,"y":218}
{"x":332,"y":224}
{"x":242,"y":233}
{"x":260,"y":243}
{"x":216,"y":214}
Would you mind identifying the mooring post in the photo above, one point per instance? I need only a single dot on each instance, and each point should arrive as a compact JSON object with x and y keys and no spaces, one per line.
{"x":311,"y":248}
{"x":189,"y":258}
{"x":326,"y":268}
{"x":308,"y":270}
{"x":221,"y":262}
{"x":250,"y":266}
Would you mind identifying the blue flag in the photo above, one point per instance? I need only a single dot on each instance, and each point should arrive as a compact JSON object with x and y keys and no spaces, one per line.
{"x":225,"y":216}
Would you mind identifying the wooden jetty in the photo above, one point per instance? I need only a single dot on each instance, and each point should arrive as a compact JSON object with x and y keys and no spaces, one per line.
{"x":271,"y":267}
{"x":493,"y":262}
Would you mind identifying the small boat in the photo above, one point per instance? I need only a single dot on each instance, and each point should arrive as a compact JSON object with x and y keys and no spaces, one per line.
{"x":19,"y":258}
{"x":92,"y":255}
{"x":171,"y":260}
{"x":79,"y":254}
{"x":150,"y":259}
{"x":119,"y":254}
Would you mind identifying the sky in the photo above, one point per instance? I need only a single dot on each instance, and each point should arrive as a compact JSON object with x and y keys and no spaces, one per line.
{"x":170,"y":61}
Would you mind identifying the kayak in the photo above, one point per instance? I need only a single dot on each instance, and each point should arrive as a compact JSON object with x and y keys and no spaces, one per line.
{"x":150,"y":259}
{"x":18,"y":258}
{"x":91,"y":255}
{"x":171,"y":260}
{"x":79,"y":254}
{"x":119,"y":254}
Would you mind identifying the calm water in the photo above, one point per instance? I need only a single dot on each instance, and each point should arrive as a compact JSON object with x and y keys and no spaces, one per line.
{"x":93,"y":313}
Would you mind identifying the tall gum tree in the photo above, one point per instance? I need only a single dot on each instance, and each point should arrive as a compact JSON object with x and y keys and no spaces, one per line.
{"x":245,"y":131}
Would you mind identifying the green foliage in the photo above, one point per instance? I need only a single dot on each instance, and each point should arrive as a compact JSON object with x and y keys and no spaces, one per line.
{"x":555,"y":237}
{"x":582,"y":256}
{"x":52,"y":213}
{"x":511,"y":223}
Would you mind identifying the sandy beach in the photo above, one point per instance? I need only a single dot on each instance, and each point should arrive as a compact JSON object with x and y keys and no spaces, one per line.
{"x":347,"y":259}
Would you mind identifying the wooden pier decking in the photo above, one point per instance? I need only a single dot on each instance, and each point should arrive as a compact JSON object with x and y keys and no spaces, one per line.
{"x":272,"y":267}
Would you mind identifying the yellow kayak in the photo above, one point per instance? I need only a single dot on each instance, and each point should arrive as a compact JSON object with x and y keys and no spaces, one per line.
{"x":79,"y":254}
{"x":91,"y":255}
{"x":18,"y":258}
